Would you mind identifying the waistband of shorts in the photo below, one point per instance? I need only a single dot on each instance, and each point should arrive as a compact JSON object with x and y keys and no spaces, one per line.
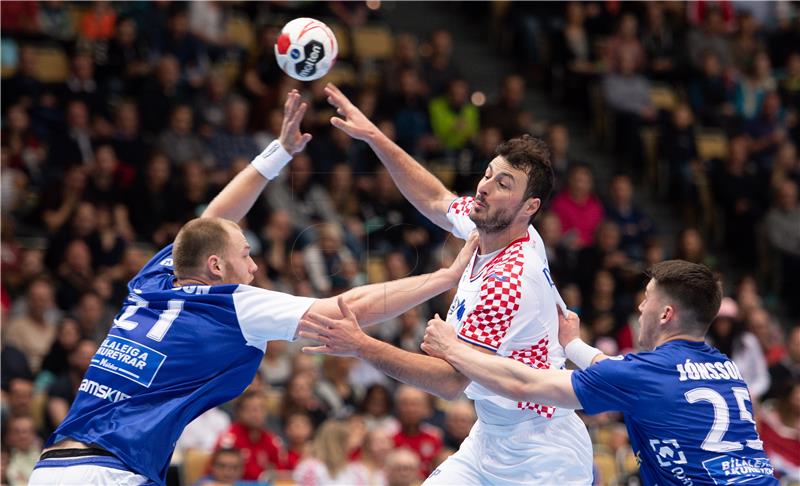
{"x":73,"y":453}
{"x":507,"y":430}
{"x":108,"y":461}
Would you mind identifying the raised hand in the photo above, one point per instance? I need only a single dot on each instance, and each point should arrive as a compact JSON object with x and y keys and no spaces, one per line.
{"x":355,"y":123}
{"x":291,"y":138}
{"x":338,"y":337}
{"x":439,"y":337}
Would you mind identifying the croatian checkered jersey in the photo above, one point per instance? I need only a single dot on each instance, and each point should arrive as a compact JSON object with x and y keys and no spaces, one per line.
{"x":172,"y":354}
{"x":507,"y":306}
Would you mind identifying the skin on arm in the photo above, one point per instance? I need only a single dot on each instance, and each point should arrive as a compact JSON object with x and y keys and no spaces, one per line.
{"x":238,"y":196}
{"x":344,"y":337}
{"x":503,"y":376}
{"x":418,"y":185}
{"x":379,"y":302}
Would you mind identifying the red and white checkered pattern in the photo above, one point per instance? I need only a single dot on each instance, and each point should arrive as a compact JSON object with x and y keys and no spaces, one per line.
{"x":499,"y":299}
{"x":462,"y":205}
{"x":535,"y":357}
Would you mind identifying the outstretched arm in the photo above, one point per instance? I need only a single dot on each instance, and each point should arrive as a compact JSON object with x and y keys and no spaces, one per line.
{"x":378,"y":302}
{"x":344,"y":337}
{"x":418,"y":185}
{"x":503,"y":376}
{"x":238,"y":196}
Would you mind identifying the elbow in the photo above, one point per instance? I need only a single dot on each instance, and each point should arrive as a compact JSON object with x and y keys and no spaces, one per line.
{"x":452,"y":388}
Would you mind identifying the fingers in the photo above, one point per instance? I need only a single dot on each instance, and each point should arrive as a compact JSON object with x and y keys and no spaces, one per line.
{"x":319,"y":321}
{"x":345,"y":309}
{"x":315,"y":349}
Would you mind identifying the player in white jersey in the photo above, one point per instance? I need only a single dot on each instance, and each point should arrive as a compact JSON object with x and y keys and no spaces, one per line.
{"x":506,"y":304}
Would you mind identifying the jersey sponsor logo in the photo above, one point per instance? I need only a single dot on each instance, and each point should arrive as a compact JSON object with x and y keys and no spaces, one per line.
{"x":128,"y":359}
{"x":737,"y":470}
{"x":499,"y":278}
{"x":458,"y":307}
{"x":717,"y":370}
{"x":104,"y":392}
{"x":668,"y":452}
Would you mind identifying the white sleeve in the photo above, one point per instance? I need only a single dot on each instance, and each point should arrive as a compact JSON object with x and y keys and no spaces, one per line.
{"x":265,"y":315}
{"x":458,"y":215}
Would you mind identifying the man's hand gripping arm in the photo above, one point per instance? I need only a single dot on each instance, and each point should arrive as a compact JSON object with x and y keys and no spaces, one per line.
{"x":239,"y":195}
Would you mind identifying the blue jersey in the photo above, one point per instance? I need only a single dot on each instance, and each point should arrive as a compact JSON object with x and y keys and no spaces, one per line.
{"x":687,"y":411}
{"x":172,"y":354}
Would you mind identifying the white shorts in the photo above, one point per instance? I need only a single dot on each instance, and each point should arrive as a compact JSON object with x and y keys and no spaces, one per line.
{"x":84,"y":471}
{"x":555,"y":451}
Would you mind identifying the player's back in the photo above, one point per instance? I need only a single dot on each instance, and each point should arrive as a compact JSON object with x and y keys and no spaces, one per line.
{"x":171,"y":354}
{"x":688,"y":413}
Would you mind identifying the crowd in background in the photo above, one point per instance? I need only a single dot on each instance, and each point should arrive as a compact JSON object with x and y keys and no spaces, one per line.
{"x":159,"y":104}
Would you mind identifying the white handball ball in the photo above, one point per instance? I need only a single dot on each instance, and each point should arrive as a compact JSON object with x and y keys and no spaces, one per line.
{"x":306,"y":49}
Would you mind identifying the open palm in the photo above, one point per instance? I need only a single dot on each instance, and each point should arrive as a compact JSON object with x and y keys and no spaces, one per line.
{"x":291,"y":138}
{"x":354,"y":123}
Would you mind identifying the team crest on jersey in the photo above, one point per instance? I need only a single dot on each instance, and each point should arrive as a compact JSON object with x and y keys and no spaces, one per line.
{"x":458,"y":307}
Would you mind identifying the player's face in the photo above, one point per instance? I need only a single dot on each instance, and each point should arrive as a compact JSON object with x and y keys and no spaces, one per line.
{"x":239,"y":267}
{"x":499,"y":199}
{"x":651,"y":309}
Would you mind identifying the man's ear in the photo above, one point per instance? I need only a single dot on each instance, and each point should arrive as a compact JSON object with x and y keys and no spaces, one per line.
{"x":214,"y":266}
{"x":532,"y":205}
{"x":667,"y":314}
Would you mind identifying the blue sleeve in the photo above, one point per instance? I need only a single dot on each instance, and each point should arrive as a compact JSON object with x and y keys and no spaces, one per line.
{"x":156,"y":273}
{"x":610,"y":385}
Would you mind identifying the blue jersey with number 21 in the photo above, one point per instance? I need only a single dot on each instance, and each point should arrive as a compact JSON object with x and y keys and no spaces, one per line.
{"x":172,"y":354}
{"x":687,"y":411}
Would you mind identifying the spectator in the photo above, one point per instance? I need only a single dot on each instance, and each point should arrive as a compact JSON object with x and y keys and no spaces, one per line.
{"x":34,"y":331}
{"x":410,"y":331}
{"x":376,"y":408}
{"x":25,"y":448}
{"x":98,"y":22}
{"x":178,"y":142}
{"x":211,"y":105}
{"x":786,"y":166}
{"x":439,"y":68}
{"x":767,"y":132}
{"x":326,"y":257}
{"x":412,"y":408}
{"x":737,"y":191}
{"x":679,"y":148}
{"x":261,"y":449}
{"x":788,"y":368}
{"x":454,"y":119}
{"x":662,"y":47}
{"x":127,"y":63}
{"x":128,"y":143}
{"x":727,"y":334}
{"x":690,"y":247}
{"x":783,"y":232}
{"x":19,"y":401}
{"x":73,"y":145}
{"x":746,"y":43}
{"x":789,"y":85}
{"x":560,"y":158}
{"x":233,"y":141}
{"x":778,"y":425}
{"x":67,"y":338}
{"x":377,"y":447}
{"x":203,"y":432}
{"x":161,"y":94}
{"x":711,"y":92}
{"x":299,"y":396}
{"x":507,"y":112}
{"x":575,"y":60}
{"x":402,"y":468}
{"x":299,"y":432}
{"x":627,"y":93}
{"x":751,"y":90}
{"x":334,"y":389}
{"x":62,"y":392}
{"x":761,"y":324}
{"x":710,"y":38}
{"x":226,"y":468}
{"x":150,"y":200}
{"x":82,"y":85}
{"x":458,"y":421}
{"x":635,"y":227}
{"x":625,"y":43}
{"x":578,"y":208}
{"x":327,"y":463}
{"x":189,"y":50}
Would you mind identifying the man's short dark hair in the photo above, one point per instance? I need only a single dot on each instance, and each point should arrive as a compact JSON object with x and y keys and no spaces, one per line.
{"x":693,"y":286}
{"x":532,"y":156}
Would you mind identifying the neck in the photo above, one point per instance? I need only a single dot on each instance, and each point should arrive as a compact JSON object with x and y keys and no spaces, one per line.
{"x":491,"y":242}
{"x":180,"y":282}
{"x":679,"y":336}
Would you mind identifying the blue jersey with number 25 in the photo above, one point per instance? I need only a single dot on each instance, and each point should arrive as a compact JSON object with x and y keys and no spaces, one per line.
{"x":687,"y":411}
{"x":172,"y":354}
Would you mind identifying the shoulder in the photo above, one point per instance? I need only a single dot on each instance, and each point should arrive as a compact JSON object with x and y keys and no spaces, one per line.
{"x":461,"y":206}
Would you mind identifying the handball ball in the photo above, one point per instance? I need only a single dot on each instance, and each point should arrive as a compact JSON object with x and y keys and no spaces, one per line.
{"x":306,"y":49}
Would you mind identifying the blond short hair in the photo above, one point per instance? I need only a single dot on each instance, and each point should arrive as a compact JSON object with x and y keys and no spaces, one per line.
{"x":196,"y":241}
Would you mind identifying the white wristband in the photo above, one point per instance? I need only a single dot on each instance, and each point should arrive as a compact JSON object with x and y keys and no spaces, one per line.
{"x":581,"y":353}
{"x":270,"y":162}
